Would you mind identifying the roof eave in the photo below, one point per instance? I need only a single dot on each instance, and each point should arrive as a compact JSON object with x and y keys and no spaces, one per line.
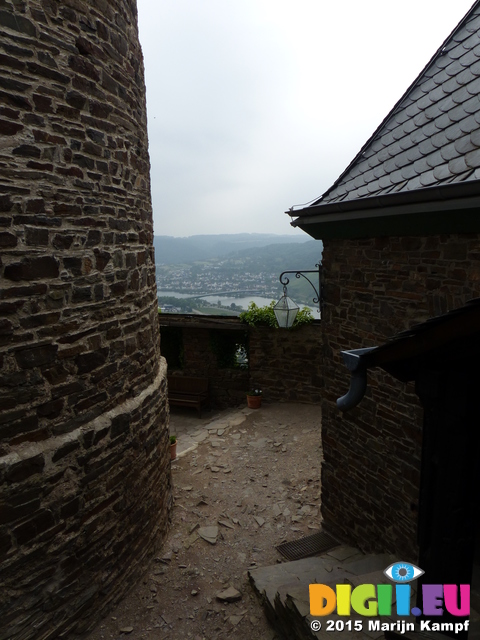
{"x":420,"y":212}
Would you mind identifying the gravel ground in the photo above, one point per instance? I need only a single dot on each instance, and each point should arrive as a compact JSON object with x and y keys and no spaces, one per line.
{"x":236,"y":496}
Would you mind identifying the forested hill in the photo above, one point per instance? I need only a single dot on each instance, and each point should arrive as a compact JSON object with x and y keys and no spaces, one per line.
{"x":279,"y":257}
{"x":171,"y":250}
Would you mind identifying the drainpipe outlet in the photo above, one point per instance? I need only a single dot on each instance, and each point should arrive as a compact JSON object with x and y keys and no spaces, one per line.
{"x":358,"y":380}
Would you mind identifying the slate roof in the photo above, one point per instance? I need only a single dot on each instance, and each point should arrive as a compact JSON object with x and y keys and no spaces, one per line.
{"x":430,"y":138}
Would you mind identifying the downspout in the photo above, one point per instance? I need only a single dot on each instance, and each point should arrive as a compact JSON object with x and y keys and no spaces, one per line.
{"x":358,"y":381}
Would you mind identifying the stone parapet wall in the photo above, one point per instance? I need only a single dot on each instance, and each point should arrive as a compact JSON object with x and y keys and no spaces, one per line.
{"x":285,"y":364}
{"x":83,"y":418}
{"x":375,"y":288}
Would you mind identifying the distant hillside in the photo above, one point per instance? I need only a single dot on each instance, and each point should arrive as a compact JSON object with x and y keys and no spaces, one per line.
{"x":280,"y":257}
{"x":171,"y":250}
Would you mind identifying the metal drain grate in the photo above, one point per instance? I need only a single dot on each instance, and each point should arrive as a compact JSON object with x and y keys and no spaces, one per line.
{"x":308,"y":546}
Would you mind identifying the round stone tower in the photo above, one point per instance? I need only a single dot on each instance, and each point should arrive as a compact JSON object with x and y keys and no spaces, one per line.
{"x":84,"y":462}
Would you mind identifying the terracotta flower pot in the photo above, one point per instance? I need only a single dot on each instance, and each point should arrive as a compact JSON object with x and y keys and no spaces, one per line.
{"x":173,"y":451}
{"x":254,"y":402}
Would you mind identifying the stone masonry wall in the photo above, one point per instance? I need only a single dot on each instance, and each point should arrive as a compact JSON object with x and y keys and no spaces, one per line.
{"x":84,"y":466}
{"x":375,"y":288}
{"x":284,"y":364}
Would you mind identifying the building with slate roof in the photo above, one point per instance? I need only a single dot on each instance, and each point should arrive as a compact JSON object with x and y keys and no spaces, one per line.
{"x":401,"y":234}
{"x":423,"y":161}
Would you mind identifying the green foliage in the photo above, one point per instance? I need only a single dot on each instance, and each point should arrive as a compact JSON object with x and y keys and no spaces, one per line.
{"x":257,"y":316}
{"x":173,"y":439}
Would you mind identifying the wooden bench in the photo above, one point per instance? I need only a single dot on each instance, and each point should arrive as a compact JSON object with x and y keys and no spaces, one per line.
{"x":184,"y":391}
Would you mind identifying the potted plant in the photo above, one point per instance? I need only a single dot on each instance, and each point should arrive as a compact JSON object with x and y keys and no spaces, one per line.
{"x":173,"y":447}
{"x":254,"y":398}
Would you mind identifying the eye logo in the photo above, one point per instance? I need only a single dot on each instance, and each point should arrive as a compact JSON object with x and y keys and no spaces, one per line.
{"x":403,"y":572}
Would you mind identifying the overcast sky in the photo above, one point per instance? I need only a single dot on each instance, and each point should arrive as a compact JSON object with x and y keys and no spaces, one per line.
{"x":258,"y":105}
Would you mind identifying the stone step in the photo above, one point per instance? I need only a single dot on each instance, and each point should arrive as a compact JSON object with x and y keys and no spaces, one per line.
{"x":284,"y":591}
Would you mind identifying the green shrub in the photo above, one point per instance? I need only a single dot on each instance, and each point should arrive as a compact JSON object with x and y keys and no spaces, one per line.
{"x":257,"y":316}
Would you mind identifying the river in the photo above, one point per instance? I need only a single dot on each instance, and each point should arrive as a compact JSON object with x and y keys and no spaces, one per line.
{"x":227,"y":300}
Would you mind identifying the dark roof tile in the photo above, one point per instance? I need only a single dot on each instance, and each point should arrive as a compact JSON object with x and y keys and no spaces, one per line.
{"x":475,"y":68}
{"x":432,"y":135}
{"x":473,"y":87}
{"x":401,"y":116}
{"x":460,"y":95}
{"x":473,"y":25}
{"x":453,"y":132}
{"x":439,"y":139}
{"x":358,"y":182}
{"x":426,"y":147}
{"x":421,"y":119}
{"x":434,"y":159}
{"x":443,"y":121}
{"x":414,"y":153}
{"x":449,"y":152}
{"x":408,"y":171}
{"x":472,"y":105}
{"x":373,"y":161}
{"x":430,"y":129}
{"x":443,"y":61}
{"x":456,"y":52}
{"x":412,"y":110}
{"x":409,"y":126}
{"x":379,"y":171}
{"x":414,"y":183}
{"x":443,"y":106}
{"x":442,"y":172}
{"x":400,"y":186}
{"x":406,"y":143}
{"x":458,"y":165}
{"x":385,"y":182}
{"x":469,"y":124}
{"x":458,"y":113}
{"x":373,"y":187}
{"x":402,"y":160}
{"x":455,"y":67}
{"x":472,"y":159}
{"x":440,"y":76}
{"x":384,"y":155}
{"x":427,"y":178}
{"x":475,"y":137}
{"x":461,"y":36}
{"x":451,"y":85}
{"x":461,"y":177}
{"x":437,"y":94}
{"x":464,"y":145}
{"x":469,"y":40}
{"x":398,"y":133}
{"x":427,"y":85}
{"x":390,"y":165}
{"x":468,"y":58}
{"x":362,"y":192}
{"x":396,"y":177}
{"x":421,"y":165}
{"x":465,"y":76}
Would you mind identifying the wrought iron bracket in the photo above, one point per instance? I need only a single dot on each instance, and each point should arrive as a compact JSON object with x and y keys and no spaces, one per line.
{"x":318,"y":299}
